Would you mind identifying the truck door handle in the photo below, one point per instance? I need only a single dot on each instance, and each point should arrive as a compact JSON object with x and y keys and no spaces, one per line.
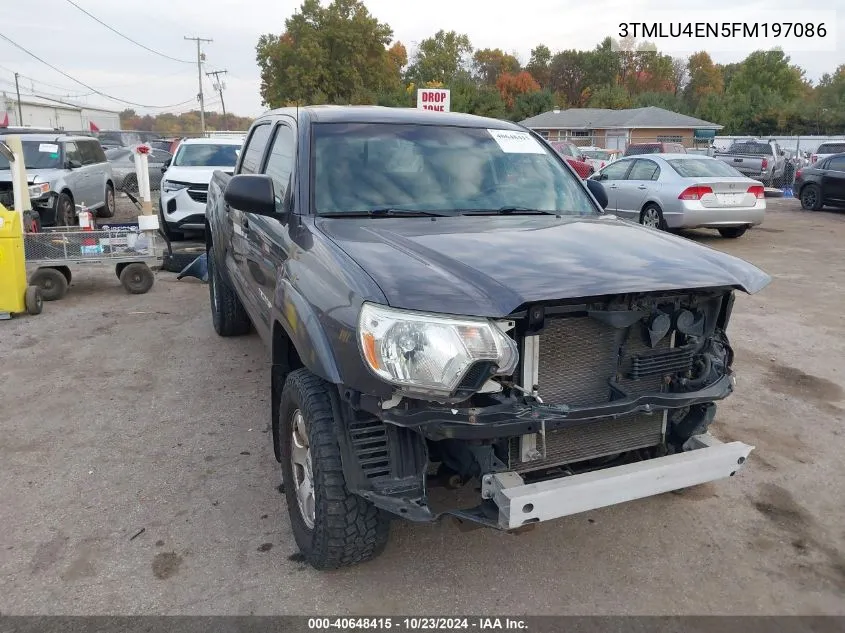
{"x":642,"y":187}
{"x":245,"y":224}
{"x":611,"y":187}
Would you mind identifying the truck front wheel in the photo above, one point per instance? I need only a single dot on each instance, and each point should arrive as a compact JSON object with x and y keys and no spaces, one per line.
{"x":227,"y":312}
{"x":332,"y":527}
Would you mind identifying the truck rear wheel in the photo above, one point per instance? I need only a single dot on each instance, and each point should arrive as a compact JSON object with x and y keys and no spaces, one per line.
{"x":227,"y":312}
{"x":332,"y":527}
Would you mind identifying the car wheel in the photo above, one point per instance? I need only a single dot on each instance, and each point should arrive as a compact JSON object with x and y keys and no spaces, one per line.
{"x":227,"y":312}
{"x":652,"y":217}
{"x":33,"y":301}
{"x":65,"y":211}
{"x":733,"y":231}
{"x":811,"y":197}
{"x":51,"y":282}
{"x":107,"y":210}
{"x":332,"y":527}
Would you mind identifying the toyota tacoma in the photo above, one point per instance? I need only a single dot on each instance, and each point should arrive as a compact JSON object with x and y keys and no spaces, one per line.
{"x":446,"y":303}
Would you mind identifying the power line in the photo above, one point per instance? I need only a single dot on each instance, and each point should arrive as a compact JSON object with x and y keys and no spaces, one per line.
{"x":82,"y":83}
{"x":126,"y":37}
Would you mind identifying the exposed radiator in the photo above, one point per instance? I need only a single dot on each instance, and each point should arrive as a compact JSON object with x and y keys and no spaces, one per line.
{"x":590,"y":439}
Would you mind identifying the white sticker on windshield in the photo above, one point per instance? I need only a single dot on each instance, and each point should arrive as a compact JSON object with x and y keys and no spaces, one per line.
{"x":48,"y":148}
{"x":513,"y":142}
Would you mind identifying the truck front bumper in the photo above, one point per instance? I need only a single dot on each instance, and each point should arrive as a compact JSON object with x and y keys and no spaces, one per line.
{"x":704,"y":459}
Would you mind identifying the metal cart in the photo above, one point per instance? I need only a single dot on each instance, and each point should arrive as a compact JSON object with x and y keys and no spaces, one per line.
{"x":54,"y":251}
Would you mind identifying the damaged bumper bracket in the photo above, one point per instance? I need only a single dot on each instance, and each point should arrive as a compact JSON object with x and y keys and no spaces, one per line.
{"x":704,"y":459}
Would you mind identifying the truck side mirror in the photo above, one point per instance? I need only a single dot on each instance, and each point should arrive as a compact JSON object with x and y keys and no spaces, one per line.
{"x":597,"y":189}
{"x":252,"y":193}
{"x":73,"y":164}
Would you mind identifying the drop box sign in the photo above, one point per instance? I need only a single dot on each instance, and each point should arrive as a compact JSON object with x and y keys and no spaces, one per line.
{"x":437,"y":99}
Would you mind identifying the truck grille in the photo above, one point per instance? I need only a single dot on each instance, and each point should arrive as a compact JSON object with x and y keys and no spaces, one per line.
{"x":589,"y":439}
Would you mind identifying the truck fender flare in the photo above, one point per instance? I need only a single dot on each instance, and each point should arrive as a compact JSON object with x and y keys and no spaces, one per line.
{"x":305,"y":334}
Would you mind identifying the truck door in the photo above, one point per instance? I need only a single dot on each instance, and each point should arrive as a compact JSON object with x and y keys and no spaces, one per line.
{"x":236,"y":261}
{"x":268,"y":240}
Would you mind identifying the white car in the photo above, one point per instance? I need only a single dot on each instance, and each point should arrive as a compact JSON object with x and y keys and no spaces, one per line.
{"x":599,"y":158}
{"x":184,"y":185}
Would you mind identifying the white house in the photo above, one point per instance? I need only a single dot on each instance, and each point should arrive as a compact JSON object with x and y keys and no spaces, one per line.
{"x":51,"y":113}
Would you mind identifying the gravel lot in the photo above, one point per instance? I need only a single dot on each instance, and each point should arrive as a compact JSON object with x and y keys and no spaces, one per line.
{"x":125,"y":413}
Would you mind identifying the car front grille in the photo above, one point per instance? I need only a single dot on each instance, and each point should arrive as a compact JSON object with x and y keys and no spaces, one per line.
{"x":589,"y":439}
{"x":199,"y":195}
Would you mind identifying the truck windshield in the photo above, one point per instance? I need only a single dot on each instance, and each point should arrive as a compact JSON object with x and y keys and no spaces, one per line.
{"x":37,"y":155}
{"x":366,"y":167}
{"x":207,"y":155}
{"x":754,"y":149}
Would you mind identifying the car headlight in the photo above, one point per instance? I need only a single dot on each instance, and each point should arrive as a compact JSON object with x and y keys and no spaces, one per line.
{"x":36,"y":191}
{"x":430,"y":353}
{"x":169,"y":186}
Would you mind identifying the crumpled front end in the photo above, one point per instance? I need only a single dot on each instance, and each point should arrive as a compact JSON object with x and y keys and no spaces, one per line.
{"x":601,"y":384}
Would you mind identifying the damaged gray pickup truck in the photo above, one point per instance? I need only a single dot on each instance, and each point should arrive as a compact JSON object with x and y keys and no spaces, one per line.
{"x":445,"y":302}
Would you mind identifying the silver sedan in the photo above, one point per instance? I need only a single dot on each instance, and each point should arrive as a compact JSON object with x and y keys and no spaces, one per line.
{"x":673,"y":191}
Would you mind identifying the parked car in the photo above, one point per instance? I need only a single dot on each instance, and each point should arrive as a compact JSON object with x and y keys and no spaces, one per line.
{"x":762,"y":160}
{"x":827,"y":149}
{"x":184,"y":185}
{"x":111,"y":139}
{"x":62,"y":171}
{"x":674,"y":191}
{"x":822,"y":183}
{"x":575,"y":157}
{"x":600,"y":158}
{"x":424,"y":313}
{"x":123,"y":167}
{"x":637,"y":149}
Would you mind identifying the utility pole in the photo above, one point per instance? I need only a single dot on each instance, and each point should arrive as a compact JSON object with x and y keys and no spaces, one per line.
{"x":20,"y":111}
{"x":219,"y":86}
{"x":200,"y":58}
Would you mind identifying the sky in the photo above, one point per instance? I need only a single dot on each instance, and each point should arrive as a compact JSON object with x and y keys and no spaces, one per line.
{"x":73,"y":42}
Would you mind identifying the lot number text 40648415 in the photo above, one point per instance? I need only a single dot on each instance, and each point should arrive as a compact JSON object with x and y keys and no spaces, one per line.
{"x":418,"y":624}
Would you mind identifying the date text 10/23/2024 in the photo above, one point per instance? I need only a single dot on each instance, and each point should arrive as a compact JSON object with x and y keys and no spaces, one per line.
{"x":417,"y":624}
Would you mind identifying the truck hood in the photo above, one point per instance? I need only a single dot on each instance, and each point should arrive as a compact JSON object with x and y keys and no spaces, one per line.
{"x":34,"y":175}
{"x":490,"y":266}
{"x":194,"y":175}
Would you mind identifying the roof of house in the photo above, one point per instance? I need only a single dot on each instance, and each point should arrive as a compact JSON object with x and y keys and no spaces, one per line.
{"x":593,"y":118}
{"x":58,"y":104}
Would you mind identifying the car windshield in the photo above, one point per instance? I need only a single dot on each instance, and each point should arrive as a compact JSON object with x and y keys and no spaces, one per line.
{"x":755,"y":149}
{"x":371,"y":167}
{"x":598,"y":154}
{"x":703,"y":168}
{"x":831,"y":148}
{"x":207,"y":155}
{"x":37,"y":155}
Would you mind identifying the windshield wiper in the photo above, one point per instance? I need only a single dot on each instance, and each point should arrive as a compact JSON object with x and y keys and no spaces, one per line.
{"x":382,"y":212}
{"x":508,"y":210}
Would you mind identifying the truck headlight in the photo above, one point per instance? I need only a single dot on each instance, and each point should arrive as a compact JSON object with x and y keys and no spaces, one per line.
{"x":430,"y":353}
{"x":169,"y":186}
{"x":39,"y":190}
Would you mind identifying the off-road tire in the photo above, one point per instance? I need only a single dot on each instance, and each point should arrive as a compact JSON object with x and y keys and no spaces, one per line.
{"x":347,"y":528}
{"x":137,"y":278}
{"x":811,"y":197}
{"x":107,"y":210}
{"x":733,"y":231}
{"x":227,"y":312}
{"x":51,"y":282}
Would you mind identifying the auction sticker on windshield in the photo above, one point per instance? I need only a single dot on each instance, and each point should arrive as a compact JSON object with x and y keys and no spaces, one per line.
{"x":516,"y":142}
{"x":48,"y":148}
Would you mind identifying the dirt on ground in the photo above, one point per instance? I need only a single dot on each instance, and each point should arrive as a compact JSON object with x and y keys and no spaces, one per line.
{"x":137,"y":473}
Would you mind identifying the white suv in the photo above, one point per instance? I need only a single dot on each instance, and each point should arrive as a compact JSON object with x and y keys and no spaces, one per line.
{"x":184,"y":185}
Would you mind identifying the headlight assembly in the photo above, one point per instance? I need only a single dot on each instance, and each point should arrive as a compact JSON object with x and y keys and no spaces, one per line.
{"x":169,"y":186}
{"x":430,"y":353}
{"x":36,"y":191}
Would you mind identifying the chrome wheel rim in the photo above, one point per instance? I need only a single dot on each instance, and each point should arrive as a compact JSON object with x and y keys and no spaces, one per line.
{"x":303,"y":474}
{"x":651,"y":218}
{"x":109,"y":200}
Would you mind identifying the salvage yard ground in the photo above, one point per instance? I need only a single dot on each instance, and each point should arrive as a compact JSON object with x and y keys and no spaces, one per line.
{"x":125,"y":413}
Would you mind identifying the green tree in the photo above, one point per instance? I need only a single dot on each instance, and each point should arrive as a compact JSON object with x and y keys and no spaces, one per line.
{"x":614,"y":97}
{"x":705,"y":78}
{"x":531,"y":104}
{"x":489,"y":63}
{"x":538,"y":64}
{"x":335,"y":54}
{"x":439,"y":58}
{"x":772,"y":72}
{"x":569,"y":75}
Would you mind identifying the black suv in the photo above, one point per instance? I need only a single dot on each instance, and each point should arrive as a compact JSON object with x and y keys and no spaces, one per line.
{"x":446,"y":303}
